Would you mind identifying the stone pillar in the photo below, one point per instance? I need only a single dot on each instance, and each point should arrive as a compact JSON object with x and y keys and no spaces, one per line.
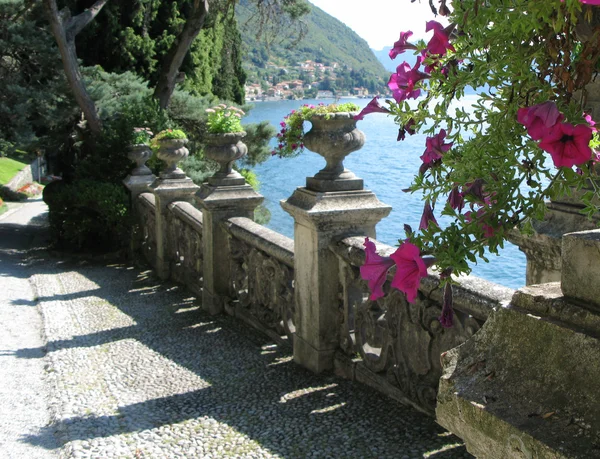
{"x":172,"y":185}
{"x":138,"y":182}
{"x":332,"y":206}
{"x":526,"y":385}
{"x":225,"y":195}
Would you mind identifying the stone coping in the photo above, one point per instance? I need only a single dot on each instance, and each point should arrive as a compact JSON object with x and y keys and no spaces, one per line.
{"x":475,"y":296}
{"x":188,"y":214}
{"x":149,"y":200}
{"x":271,"y":242}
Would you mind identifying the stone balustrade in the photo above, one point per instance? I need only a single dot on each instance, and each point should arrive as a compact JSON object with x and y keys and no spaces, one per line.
{"x":307,"y":293}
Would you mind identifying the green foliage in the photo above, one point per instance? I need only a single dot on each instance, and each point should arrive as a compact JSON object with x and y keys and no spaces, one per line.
{"x":257,"y":139}
{"x":88,"y":214}
{"x":136,"y":36}
{"x":291,"y":136}
{"x":515,"y":60}
{"x":141,"y":136}
{"x":34,"y":101}
{"x":170,"y":134}
{"x":223,"y":119}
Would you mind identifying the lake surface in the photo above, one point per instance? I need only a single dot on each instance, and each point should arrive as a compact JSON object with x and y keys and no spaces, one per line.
{"x":385,"y":165}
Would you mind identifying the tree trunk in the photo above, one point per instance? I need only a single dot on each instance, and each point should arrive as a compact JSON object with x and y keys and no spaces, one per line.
{"x":64,"y":29}
{"x":174,"y":58}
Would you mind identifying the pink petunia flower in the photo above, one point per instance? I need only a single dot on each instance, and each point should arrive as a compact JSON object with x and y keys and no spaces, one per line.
{"x":456,"y":199}
{"x":590,"y":121}
{"x":568,"y":145}
{"x":375,"y":269}
{"x":435,"y":147}
{"x":408,"y":128}
{"x":372,"y":107}
{"x":427,"y":217}
{"x":440,"y":42}
{"x":402,"y":83}
{"x":401,"y":45}
{"x":539,"y":119}
{"x":410,"y":268}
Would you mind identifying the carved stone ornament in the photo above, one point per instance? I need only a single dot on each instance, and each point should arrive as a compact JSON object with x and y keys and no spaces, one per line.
{"x":334,"y":136}
{"x":225,"y":149}
{"x":171,"y":151}
{"x":139,"y":154}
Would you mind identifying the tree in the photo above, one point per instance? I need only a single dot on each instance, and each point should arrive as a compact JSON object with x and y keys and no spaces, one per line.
{"x":194,"y":14}
{"x":65,"y":28}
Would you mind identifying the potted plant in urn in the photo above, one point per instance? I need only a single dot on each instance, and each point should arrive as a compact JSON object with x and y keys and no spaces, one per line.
{"x":223,"y":143}
{"x":139,"y":151}
{"x":333,"y":135}
{"x":170,"y":144}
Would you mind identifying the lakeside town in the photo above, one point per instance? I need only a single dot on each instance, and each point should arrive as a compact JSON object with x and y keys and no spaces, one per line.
{"x":307,"y":80}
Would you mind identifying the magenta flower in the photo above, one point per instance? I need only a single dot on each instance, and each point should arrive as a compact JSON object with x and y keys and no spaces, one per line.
{"x":568,"y":145}
{"x":401,"y":45}
{"x":482,"y":217}
{"x":402,"y":83}
{"x":440,"y":42}
{"x":427,"y":217}
{"x":539,"y":119}
{"x":375,"y":269}
{"x":456,"y":199}
{"x":410,"y":268}
{"x":372,"y":107}
{"x":408,"y":128}
{"x":435,"y":147}
{"x":447,"y":310}
{"x":590,"y":121}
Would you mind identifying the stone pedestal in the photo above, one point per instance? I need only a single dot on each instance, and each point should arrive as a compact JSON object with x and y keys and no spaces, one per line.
{"x":320,"y":219}
{"x":527,"y":384}
{"x":167,"y":191}
{"x":543,"y":248}
{"x":219,"y":203}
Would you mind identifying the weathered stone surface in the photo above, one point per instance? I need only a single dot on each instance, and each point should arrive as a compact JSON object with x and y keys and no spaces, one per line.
{"x":219,"y":203}
{"x":524,"y":387}
{"x":262,"y":278}
{"x":320,"y":219}
{"x":581,"y":267}
{"x":543,"y":248}
{"x":166,"y":191}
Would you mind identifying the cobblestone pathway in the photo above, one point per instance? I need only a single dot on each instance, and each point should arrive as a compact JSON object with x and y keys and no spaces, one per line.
{"x":136,"y":370}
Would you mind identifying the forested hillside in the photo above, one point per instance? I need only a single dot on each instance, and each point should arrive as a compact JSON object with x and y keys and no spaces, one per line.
{"x":327,"y":41}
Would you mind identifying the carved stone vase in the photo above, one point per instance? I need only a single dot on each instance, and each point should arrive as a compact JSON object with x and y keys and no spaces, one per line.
{"x":171,"y":151}
{"x":225,"y":149}
{"x":139,"y":154}
{"x":334,"y":136}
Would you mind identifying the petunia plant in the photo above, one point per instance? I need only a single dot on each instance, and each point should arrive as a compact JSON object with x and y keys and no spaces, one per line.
{"x":491,"y":161}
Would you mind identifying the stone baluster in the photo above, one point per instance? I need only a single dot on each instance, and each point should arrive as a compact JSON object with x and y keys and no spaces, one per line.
{"x":333,"y":205}
{"x":225,"y":195}
{"x":137,"y":182}
{"x":172,"y":185}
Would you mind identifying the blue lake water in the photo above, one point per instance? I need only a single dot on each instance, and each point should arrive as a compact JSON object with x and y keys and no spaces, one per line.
{"x":385,"y":165}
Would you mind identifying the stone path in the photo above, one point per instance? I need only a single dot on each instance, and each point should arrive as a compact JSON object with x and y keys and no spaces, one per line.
{"x":136,"y":370}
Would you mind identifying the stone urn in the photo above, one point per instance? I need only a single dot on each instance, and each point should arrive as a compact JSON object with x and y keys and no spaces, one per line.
{"x":139,"y":154}
{"x":171,"y":151}
{"x":225,"y":149}
{"x":334,"y":136}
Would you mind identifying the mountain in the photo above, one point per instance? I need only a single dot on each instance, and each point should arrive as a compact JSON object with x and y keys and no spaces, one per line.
{"x":332,"y":54}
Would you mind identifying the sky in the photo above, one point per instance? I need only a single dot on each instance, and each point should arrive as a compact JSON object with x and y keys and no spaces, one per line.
{"x":380,"y":22}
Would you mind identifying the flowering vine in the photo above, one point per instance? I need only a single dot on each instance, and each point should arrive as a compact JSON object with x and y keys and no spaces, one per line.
{"x":501,"y":98}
